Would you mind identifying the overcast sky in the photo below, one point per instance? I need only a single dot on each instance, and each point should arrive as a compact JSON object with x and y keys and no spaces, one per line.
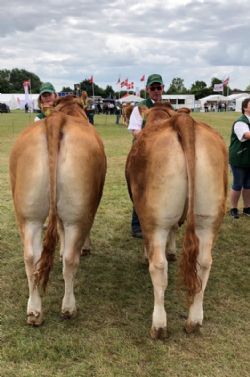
{"x":67,"y":41}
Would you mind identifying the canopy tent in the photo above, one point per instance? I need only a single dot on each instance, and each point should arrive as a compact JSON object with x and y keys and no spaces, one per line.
{"x":130,"y":98}
{"x":235,"y":96}
{"x":239,"y":102}
{"x":17,"y":100}
{"x":213,"y":98}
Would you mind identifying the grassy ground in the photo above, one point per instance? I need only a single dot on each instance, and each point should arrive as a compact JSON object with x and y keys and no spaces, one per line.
{"x":110,"y":335}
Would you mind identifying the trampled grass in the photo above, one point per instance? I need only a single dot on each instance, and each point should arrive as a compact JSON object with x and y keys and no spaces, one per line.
{"x":110,"y":334}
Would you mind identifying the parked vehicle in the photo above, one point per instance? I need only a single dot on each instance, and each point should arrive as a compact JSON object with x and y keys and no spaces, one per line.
{"x":4,"y":108}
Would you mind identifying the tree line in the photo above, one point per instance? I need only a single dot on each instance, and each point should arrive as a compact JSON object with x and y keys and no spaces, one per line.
{"x":11,"y":81}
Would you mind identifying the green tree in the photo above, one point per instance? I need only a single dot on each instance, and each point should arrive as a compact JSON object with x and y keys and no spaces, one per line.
{"x":67,"y":89}
{"x":248,"y":88}
{"x":4,"y":81}
{"x":18,"y":76}
{"x":200,"y":89}
{"x":177,"y":86}
{"x":86,"y":85}
{"x":109,"y":92}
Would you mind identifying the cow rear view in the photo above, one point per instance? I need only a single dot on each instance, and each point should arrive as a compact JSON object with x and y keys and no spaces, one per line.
{"x":57,"y":170}
{"x":176,"y":170}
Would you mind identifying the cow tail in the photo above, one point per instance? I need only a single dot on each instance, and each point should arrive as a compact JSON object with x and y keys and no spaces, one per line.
{"x":185,"y":127}
{"x":53,"y":126}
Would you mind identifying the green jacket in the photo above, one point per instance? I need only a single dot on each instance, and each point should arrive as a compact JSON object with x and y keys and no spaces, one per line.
{"x":149,"y":104}
{"x":239,"y":152}
{"x":40,"y":116}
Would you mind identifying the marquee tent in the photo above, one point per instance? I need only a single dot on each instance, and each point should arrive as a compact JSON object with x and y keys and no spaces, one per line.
{"x":213,"y":98}
{"x":130,"y":98}
{"x":239,"y":102}
{"x":17,"y":100}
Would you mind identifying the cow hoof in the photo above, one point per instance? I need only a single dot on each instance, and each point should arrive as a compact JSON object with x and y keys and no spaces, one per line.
{"x":160,"y":333}
{"x":68,"y":315}
{"x":192,"y":327}
{"x":35,"y":319}
{"x":171,"y":257}
{"x":85,"y":252}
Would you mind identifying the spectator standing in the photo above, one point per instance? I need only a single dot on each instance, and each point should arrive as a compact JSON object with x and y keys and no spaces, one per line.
{"x":46,"y":100}
{"x":239,"y":158}
{"x":118,"y":113}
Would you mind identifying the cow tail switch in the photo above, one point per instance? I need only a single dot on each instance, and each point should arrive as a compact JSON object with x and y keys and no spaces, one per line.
{"x":185,"y":127}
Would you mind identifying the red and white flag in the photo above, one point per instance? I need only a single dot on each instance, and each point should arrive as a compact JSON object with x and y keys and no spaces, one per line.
{"x":26,"y":83}
{"x":124,"y":83}
{"x":91,"y":80}
{"x":226,"y":81}
{"x":142,"y":78}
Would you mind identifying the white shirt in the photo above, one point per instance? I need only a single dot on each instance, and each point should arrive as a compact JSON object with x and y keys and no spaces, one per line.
{"x":240,"y":128}
{"x":135,"y":121}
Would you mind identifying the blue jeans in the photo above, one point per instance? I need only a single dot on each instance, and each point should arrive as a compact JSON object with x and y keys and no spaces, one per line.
{"x":241,"y":178}
{"x":135,"y":223}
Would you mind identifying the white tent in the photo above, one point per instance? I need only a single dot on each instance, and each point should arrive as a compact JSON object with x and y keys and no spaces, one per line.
{"x":17,"y":100}
{"x":239,"y":102}
{"x":213,"y":98}
{"x":130,"y":98}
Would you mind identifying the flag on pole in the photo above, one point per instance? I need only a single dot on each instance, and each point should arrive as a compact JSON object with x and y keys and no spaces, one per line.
{"x":218,"y":87}
{"x":142,"y":78}
{"x":26,"y":83}
{"x":91,"y":80}
{"x":226,"y":81}
{"x":124,"y":83}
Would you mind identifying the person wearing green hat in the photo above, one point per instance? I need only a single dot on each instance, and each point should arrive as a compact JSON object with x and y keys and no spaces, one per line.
{"x":46,"y":99}
{"x":154,"y":88}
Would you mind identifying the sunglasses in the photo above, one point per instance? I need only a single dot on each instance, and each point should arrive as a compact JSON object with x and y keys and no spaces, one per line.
{"x":153,"y":88}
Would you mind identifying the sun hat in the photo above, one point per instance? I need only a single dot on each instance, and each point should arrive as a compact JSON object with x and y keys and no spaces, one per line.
{"x":154,"y":78}
{"x":47,"y":87}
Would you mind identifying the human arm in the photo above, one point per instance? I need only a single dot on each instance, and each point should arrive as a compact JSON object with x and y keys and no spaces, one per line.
{"x":241,"y":130}
{"x":135,"y":122}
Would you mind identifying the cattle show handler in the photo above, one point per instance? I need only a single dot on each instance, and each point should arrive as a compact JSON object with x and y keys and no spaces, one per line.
{"x":239,"y":158}
{"x":154,"y":89}
{"x":46,"y":100}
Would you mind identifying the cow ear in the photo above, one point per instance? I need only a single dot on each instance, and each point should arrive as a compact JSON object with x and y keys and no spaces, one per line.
{"x":169,"y":109}
{"x":184,"y":110}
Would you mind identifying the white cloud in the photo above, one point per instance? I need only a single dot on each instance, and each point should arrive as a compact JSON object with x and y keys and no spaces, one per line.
{"x":67,"y":42}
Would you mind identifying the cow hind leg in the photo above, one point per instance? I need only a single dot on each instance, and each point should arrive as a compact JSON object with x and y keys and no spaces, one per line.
{"x":171,"y":244}
{"x":71,"y":257}
{"x":32,"y":239}
{"x":204,"y":263}
{"x":158,"y":272}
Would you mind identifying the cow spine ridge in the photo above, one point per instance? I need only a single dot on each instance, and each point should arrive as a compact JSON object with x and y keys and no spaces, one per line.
{"x":53,"y":135}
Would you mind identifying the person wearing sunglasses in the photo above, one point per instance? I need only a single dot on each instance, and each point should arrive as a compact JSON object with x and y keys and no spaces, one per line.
{"x":154,"y":88}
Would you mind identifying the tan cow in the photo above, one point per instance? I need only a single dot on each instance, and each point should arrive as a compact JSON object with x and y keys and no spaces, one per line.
{"x":126,"y":112}
{"x":177,"y":169}
{"x":57,"y":169}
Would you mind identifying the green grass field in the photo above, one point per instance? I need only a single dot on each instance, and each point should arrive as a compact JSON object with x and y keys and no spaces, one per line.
{"x":110,"y":334}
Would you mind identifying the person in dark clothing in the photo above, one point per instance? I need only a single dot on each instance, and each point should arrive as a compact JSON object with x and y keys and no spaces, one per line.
{"x":239,"y":158}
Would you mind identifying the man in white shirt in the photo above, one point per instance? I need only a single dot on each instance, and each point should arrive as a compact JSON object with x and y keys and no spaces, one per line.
{"x":154,"y":88}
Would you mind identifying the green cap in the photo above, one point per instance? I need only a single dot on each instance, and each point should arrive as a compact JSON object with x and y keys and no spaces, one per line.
{"x":154,"y":78}
{"x":47,"y":87}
